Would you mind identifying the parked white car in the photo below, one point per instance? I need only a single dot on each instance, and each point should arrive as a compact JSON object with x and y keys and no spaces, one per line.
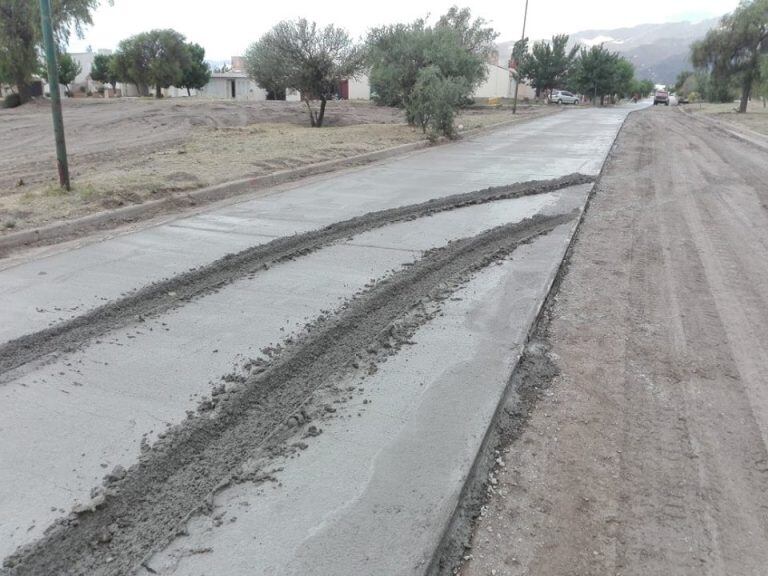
{"x":563,"y":97}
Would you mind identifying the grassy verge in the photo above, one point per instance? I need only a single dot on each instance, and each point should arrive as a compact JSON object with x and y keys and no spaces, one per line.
{"x":756,"y":117}
{"x":208,"y":155}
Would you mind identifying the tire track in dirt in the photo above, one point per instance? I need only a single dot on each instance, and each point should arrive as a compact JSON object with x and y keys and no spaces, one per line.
{"x":174,"y":292}
{"x":142,"y":509}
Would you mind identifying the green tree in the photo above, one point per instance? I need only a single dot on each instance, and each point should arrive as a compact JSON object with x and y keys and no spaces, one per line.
{"x":300,"y":56}
{"x":198,"y":72}
{"x":434,"y":101}
{"x":69,"y":68}
{"x":763,"y":86}
{"x":594,"y":72}
{"x":682,"y":78}
{"x":21,"y":37}
{"x":623,"y":76}
{"x":646,"y":87}
{"x":103,"y":70}
{"x":731,"y":52}
{"x":457,"y":45}
{"x":156,"y":58}
{"x":548,"y":64}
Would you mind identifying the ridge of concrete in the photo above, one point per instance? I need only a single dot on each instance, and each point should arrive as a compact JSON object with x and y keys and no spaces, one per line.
{"x":78,"y":227}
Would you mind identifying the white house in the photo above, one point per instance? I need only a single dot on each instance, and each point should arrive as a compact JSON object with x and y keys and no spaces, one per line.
{"x":232,"y":85}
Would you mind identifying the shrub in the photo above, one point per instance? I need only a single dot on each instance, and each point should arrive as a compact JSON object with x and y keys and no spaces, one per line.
{"x":434,"y":101}
{"x":12,"y":101}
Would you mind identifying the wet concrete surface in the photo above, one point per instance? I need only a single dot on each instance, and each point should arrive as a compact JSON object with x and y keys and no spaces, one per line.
{"x":90,"y":410}
{"x":45,"y":291}
{"x":68,"y":423}
{"x":373,"y":493}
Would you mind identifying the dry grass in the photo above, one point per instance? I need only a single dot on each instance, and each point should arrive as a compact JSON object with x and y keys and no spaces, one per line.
{"x":756,"y":117}
{"x":111,"y":174}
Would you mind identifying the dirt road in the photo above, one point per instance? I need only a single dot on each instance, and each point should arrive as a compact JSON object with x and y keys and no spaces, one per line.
{"x":646,"y":454}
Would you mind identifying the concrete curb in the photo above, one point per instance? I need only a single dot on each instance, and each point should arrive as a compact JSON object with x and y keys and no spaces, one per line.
{"x":744,"y":134}
{"x":460,"y":526}
{"x":70,"y":229}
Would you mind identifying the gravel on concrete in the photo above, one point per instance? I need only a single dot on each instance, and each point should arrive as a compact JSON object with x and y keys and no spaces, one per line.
{"x":141,"y":509}
{"x":164,"y":295}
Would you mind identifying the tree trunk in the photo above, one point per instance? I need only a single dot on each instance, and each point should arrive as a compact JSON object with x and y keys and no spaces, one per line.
{"x":746,"y":88}
{"x":158,"y":92}
{"x":322,"y":113}
{"x":22,"y":88}
{"x":189,"y":93}
{"x":312,"y":120}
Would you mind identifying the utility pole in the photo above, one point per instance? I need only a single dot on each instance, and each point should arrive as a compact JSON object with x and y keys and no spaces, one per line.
{"x":517,"y":79}
{"x":53,"y":83}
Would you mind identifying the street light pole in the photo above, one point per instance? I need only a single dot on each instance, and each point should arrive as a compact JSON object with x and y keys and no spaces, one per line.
{"x":53,"y":83}
{"x":517,"y":70}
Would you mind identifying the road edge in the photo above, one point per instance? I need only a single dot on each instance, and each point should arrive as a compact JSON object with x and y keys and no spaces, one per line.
{"x":743,"y":134}
{"x":460,"y":526}
{"x":72,"y":229}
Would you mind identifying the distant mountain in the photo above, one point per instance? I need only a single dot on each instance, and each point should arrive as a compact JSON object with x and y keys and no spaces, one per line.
{"x":658,"y":51}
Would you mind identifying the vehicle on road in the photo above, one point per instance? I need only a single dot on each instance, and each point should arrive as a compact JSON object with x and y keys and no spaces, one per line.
{"x":661,"y":97}
{"x":563,"y":97}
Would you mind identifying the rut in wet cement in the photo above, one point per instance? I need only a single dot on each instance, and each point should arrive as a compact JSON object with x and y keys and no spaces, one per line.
{"x":173,"y":292}
{"x":143,"y":509}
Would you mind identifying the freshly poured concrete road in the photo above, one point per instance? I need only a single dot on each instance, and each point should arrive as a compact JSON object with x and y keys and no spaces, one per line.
{"x":45,"y":291}
{"x":63,"y":425}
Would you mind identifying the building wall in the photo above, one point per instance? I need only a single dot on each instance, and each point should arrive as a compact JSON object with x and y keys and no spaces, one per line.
{"x":498,"y":84}
{"x":220,"y":87}
{"x":360,"y":88}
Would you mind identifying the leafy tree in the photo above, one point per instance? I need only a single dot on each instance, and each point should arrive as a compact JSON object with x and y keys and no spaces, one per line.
{"x":594,"y":72}
{"x":623,"y":76}
{"x":434,"y":101}
{"x":548,"y":64}
{"x":682,"y":78}
{"x":300,"y":56}
{"x":763,"y":87}
{"x":103,"y":70}
{"x":646,"y":87}
{"x":156,"y":58}
{"x":198,"y":72}
{"x":21,"y":37}
{"x":731,"y":52}
{"x":457,"y":45}
{"x":69,"y":68}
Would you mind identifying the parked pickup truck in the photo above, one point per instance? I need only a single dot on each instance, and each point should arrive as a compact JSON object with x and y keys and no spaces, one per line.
{"x":661,"y":97}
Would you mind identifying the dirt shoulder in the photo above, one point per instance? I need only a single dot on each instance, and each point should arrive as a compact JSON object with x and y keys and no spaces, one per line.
{"x":130,"y":151}
{"x":755,"y":119}
{"x":646,"y":453}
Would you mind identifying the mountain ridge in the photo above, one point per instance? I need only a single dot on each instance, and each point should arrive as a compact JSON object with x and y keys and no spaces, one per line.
{"x":659,"y":52}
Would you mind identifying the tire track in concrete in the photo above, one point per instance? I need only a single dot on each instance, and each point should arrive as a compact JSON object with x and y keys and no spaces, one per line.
{"x":141,"y":510}
{"x":173,"y":292}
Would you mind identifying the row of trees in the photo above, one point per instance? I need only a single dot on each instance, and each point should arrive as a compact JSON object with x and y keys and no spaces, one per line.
{"x":428,"y":70}
{"x":155,"y":59}
{"x":594,"y":71}
{"x":733,"y":55}
{"x":158,"y":58}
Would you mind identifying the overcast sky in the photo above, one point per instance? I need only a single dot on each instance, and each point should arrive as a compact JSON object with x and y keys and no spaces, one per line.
{"x":227,"y":27}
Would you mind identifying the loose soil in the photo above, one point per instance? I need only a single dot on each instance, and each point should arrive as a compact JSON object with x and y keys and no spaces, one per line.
{"x":169,"y":293}
{"x":756,"y":117}
{"x":644,"y":452}
{"x":265,"y":413}
{"x":127,"y":151}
